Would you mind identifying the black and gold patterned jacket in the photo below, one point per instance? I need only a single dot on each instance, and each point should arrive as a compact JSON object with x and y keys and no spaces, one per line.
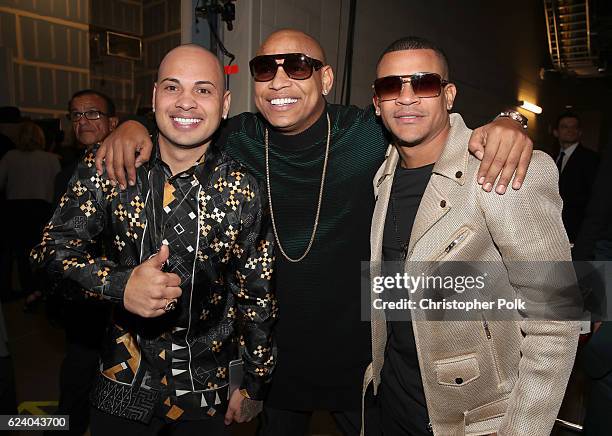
{"x":215,"y":221}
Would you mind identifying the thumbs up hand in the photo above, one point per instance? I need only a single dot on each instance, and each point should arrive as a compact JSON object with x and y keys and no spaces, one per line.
{"x":149,"y":289}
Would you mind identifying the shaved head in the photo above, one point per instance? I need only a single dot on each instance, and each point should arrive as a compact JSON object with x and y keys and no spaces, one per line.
{"x":293,"y":105}
{"x":189,"y":99}
{"x":292,"y":41}
{"x":192,"y":50}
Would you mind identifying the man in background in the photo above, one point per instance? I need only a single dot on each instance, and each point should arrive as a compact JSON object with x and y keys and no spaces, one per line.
{"x":577,"y":170}
{"x":84,"y":316}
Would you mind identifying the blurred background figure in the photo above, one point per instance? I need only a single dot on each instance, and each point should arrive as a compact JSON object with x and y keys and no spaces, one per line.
{"x":93,"y":117}
{"x":594,"y":242}
{"x":577,"y":170}
{"x":8,"y":395}
{"x":84,"y":317}
{"x":10,"y":118}
{"x":27,"y":173}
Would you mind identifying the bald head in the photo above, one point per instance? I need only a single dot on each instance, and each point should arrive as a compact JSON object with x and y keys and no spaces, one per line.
{"x":292,"y":41}
{"x":189,"y":99}
{"x":194,"y":53}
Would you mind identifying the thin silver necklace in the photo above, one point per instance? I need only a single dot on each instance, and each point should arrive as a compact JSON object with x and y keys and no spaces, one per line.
{"x":316,"y":221}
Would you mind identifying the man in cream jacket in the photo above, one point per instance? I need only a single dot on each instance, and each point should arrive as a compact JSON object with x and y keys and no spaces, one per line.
{"x":474,"y":377}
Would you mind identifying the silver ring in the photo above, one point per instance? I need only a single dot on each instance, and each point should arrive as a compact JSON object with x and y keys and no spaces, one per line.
{"x":170,"y":305}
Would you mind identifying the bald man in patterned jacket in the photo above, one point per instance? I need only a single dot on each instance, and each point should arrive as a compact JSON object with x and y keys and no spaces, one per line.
{"x":189,"y":266}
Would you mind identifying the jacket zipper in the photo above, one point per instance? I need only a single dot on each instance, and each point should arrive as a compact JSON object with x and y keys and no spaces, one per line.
{"x":453,"y":244}
{"x":487,"y":330}
{"x":485,"y":324}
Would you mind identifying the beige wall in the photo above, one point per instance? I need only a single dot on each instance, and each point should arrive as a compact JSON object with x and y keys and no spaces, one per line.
{"x":113,"y":75}
{"x":162,"y":32}
{"x":45,"y":44}
{"x":45,"y":51}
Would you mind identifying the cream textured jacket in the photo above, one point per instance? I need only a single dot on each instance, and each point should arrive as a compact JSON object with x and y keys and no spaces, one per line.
{"x":481,"y":377}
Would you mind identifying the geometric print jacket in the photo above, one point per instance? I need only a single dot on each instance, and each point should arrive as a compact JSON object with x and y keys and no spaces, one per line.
{"x":214,"y":219}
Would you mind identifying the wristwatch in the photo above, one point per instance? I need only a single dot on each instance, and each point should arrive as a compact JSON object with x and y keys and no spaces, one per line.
{"x":516,"y":116}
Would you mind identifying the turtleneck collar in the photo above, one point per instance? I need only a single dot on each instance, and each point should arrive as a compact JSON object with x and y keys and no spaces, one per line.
{"x":312,"y":136}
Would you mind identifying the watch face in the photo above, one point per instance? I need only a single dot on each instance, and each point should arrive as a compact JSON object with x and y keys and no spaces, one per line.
{"x":516,"y":116}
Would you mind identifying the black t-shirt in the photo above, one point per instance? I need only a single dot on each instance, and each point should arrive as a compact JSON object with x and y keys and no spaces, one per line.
{"x":402,"y":399}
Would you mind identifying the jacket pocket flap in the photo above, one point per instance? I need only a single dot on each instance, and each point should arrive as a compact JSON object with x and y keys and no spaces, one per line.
{"x":457,"y":371}
{"x":486,"y":412}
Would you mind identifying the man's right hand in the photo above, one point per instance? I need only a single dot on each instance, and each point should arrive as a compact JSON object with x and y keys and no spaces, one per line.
{"x":118,"y":153}
{"x":149,"y":289}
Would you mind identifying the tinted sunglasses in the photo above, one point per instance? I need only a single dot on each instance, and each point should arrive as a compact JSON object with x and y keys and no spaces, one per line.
{"x":297,"y":66}
{"x":424,"y":85}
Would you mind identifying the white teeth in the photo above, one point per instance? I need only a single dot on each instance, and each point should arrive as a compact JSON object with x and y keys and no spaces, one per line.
{"x":408,"y":116}
{"x":282,"y":101}
{"x":186,"y":120}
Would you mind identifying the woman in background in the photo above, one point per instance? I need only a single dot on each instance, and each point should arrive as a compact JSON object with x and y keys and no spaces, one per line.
{"x":27,"y":174}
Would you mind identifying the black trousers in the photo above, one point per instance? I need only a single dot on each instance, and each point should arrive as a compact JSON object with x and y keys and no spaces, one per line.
{"x":104,"y":424}
{"x":280,"y":422}
{"x":85,"y":325}
{"x":26,"y":219}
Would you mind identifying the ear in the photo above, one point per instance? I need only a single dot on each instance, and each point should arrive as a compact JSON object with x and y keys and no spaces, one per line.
{"x":376,"y":104}
{"x":450,"y":92}
{"x":556,"y":133}
{"x":227,"y":99}
{"x":327,"y":79}
{"x":153,"y":99}
{"x":113,"y":121}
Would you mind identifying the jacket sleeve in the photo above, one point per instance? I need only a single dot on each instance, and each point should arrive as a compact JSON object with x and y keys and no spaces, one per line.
{"x":251,"y":281}
{"x":69,"y":238}
{"x":526,"y":226}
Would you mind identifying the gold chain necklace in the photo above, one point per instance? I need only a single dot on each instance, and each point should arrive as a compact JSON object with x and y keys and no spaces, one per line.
{"x":316,"y":221}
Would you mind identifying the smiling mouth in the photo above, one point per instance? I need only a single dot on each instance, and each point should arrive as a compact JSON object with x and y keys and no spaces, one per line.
{"x":279,"y":102}
{"x":186,"y":122}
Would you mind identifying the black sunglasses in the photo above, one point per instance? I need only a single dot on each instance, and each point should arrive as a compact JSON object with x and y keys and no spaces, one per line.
{"x":297,"y":66}
{"x":424,"y":85}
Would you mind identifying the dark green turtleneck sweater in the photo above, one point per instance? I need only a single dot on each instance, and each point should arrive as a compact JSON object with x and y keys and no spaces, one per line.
{"x":323,"y":346}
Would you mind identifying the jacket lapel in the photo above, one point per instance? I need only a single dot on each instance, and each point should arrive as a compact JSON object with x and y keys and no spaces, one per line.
{"x":434,"y":205}
{"x":451,"y":166}
{"x":382,"y":190}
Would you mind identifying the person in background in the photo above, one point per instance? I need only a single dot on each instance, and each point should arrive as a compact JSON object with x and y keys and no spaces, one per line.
{"x":28,"y":175}
{"x":594,"y":243}
{"x":9,"y":116}
{"x":83,"y":315}
{"x":577,"y":170}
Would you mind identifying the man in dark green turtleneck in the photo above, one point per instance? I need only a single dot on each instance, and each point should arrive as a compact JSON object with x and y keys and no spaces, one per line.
{"x":318,"y":160}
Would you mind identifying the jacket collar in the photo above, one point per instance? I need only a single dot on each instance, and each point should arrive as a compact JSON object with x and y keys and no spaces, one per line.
{"x":436,"y":201}
{"x":453,"y":161}
{"x":202,"y":169}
